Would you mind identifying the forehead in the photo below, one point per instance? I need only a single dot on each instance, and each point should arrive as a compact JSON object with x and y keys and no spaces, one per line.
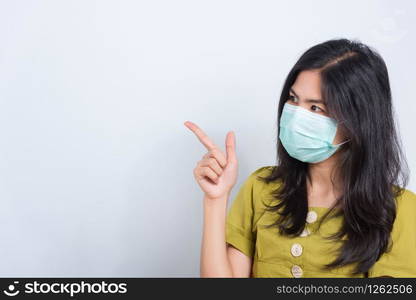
{"x":308,"y":85}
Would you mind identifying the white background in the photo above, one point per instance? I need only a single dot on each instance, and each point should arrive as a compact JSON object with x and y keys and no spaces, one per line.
{"x":95,"y":162}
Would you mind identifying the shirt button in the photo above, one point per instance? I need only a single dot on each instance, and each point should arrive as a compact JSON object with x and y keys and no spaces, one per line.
{"x":297,"y":271}
{"x":305,"y":232}
{"x":311,"y":217}
{"x":296,"y":249}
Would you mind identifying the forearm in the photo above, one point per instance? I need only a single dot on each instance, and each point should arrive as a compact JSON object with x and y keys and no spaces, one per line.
{"x":214,"y":258}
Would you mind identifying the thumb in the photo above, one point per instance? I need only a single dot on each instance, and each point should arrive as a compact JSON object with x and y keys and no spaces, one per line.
{"x":230,"y":146}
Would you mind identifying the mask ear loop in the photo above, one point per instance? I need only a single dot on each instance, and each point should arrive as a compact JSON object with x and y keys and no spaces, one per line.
{"x":344,"y":142}
{"x":340,"y":122}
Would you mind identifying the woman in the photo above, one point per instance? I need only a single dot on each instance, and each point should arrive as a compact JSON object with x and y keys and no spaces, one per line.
{"x":335,"y":205}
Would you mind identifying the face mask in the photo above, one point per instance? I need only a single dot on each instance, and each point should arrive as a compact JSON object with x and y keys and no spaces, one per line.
{"x":307,"y":136}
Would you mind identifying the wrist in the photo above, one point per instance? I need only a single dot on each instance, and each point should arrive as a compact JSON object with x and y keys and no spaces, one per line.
{"x":216,"y":201}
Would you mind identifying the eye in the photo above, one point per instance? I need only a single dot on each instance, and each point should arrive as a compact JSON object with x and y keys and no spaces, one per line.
{"x":291,"y":98}
{"x":319,"y":109}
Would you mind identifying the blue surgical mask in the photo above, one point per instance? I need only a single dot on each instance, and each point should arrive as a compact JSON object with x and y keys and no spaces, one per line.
{"x":307,"y":136}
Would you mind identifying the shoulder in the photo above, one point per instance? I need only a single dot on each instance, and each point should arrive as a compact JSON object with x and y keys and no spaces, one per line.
{"x":256,"y":178}
{"x":261,"y":171}
{"x":399,"y":260}
{"x":406,"y":208}
{"x":404,"y":227}
{"x":406,"y":203}
{"x":261,"y":190}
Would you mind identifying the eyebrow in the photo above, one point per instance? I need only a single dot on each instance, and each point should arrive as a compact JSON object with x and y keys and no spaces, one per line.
{"x":309,"y":100}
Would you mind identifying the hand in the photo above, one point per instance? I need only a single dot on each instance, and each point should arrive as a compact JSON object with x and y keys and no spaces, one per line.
{"x":215,"y":173}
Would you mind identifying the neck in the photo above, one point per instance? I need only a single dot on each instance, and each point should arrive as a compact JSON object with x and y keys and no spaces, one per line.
{"x":322,"y":188}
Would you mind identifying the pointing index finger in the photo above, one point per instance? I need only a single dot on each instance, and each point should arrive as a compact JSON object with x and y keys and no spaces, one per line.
{"x":205,"y":140}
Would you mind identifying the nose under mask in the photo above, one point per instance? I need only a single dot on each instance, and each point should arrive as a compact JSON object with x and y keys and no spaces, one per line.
{"x":307,"y":136}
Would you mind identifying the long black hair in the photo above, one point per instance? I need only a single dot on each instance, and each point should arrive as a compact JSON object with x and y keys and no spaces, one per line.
{"x":372,"y":166}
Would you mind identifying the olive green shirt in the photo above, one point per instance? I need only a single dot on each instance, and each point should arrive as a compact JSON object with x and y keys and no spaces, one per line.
{"x":275,"y":255}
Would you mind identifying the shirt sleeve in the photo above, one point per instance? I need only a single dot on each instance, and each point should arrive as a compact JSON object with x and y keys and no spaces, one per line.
{"x":400,"y":261}
{"x":240,"y":229}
